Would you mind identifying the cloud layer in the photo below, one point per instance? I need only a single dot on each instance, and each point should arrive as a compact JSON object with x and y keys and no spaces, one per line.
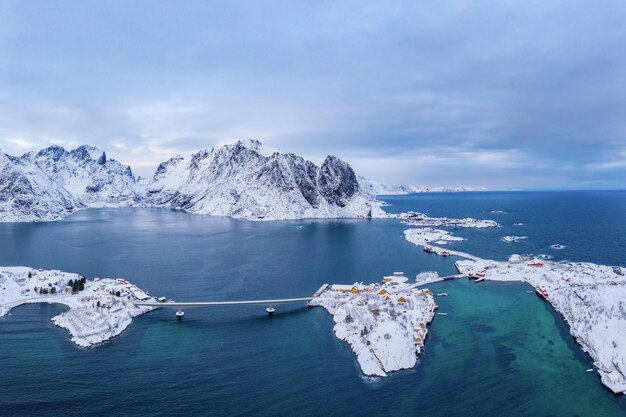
{"x":502,"y":94}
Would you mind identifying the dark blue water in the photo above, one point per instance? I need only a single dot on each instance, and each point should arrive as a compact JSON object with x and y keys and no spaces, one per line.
{"x":498,"y":351}
{"x":592,"y":224}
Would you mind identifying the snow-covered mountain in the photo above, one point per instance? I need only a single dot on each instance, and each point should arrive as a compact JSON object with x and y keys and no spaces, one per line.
{"x":379,"y":188}
{"x":29,"y":194}
{"x":240,"y":181}
{"x":233,"y":180}
{"x":87,"y":174}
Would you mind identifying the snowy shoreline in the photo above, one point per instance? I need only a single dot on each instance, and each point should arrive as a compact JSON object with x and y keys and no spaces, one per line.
{"x":590,"y":297}
{"x":384,"y":324}
{"x":99,"y":310}
{"x":237,"y":180}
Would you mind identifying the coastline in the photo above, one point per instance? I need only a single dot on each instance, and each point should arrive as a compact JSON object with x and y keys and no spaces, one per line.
{"x":98,"y":312}
{"x":586,"y":295}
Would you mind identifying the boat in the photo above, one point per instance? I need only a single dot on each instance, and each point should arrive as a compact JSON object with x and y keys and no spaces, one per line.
{"x":270,"y":310}
{"x":542,"y":292}
{"x":180,"y":314}
{"x":480,"y":279}
{"x":429,"y":249}
{"x":445,"y":253}
{"x":442,"y":294}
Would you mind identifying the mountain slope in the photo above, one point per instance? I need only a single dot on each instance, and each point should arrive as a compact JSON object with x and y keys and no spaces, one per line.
{"x":28,"y":194}
{"x":379,"y":188}
{"x":233,"y":180}
{"x":239,"y":181}
{"x":87,"y":174}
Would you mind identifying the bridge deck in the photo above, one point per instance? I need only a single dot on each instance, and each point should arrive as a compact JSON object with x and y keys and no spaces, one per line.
{"x":220,"y":303}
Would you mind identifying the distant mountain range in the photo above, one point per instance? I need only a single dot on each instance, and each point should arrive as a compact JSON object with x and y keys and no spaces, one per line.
{"x":235,"y":180}
{"x":379,"y":188}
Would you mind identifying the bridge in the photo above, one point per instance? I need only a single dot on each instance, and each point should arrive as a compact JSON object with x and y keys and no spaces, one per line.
{"x":189,"y":304}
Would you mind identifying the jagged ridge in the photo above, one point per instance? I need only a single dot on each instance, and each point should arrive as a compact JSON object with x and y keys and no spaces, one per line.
{"x":239,"y":181}
{"x":235,"y":180}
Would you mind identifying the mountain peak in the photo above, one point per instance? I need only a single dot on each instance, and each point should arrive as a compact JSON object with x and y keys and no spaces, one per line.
{"x":87,"y":152}
{"x":238,"y":180}
{"x":235,"y":180}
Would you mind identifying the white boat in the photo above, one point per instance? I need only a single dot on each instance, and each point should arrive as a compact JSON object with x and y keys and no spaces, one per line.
{"x":180,"y":314}
{"x":270,"y":310}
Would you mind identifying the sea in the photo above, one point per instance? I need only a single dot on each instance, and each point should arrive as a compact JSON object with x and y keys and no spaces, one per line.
{"x":499,"y":351}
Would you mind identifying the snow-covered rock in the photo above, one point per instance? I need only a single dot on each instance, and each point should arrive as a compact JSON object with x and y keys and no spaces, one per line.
{"x":237,"y":180}
{"x":28,"y":194}
{"x":425,"y":235}
{"x":240,"y":181}
{"x":591,"y":298}
{"x":384,"y":324}
{"x":99,"y":312}
{"x":87,"y":174}
{"x":413,"y":218}
{"x":513,"y":239}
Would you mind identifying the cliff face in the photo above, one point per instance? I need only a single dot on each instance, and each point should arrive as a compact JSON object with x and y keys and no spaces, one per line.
{"x":239,"y":181}
{"x":87,"y":174}
{"x":235,"y":180}
{"x":28,"y":194}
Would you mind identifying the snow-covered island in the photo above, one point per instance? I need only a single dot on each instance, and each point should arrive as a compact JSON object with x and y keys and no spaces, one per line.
{"x":426,"y":235}
{"x":99,"y":309}
{"x":413,"y":218}
{"x":513,"y":239}
{"x":591,"y":297}
{"x":384,"y":323}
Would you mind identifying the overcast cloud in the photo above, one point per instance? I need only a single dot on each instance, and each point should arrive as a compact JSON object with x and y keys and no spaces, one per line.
{"x":503,"y":94}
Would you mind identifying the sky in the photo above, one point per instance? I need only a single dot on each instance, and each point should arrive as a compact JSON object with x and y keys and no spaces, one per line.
{"x":501,"y":94}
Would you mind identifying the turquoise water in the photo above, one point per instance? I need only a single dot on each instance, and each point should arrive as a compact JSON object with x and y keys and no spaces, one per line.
{"x":498,"y":351}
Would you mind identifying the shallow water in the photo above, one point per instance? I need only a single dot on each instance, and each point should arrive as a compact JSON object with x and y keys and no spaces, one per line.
{"x":498,"y":351}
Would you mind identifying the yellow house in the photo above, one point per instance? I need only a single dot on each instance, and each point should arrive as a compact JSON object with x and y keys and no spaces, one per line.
{"x":382,"y":292}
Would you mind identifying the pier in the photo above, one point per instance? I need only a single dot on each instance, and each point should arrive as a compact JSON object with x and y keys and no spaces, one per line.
{"x":268,"y":303}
